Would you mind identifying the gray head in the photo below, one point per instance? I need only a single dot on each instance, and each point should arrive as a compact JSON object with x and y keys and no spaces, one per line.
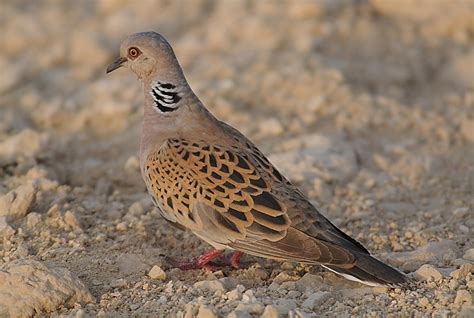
{"x":148,"y":55}
{"x":152,"y":59}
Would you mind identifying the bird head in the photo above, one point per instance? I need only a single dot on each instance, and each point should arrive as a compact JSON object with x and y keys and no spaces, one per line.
{"x":145,"y":53}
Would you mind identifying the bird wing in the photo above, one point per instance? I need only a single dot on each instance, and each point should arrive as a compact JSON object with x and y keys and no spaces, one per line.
{"x":236,"y":198}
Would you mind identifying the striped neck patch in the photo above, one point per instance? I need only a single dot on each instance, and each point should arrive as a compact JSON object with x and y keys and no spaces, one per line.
{"x":165,"y":96}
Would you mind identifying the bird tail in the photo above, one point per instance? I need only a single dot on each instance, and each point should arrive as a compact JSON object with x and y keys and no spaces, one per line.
{"x":372,"y":272}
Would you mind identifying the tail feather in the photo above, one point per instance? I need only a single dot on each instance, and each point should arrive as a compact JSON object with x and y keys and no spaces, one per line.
{"x":372,"y":272}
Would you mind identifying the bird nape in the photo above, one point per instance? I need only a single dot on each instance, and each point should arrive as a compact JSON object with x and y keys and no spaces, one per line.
{"x":205,"y":176}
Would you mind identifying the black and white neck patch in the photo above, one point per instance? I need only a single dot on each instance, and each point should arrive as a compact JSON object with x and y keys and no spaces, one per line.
{"x":165,"y":96}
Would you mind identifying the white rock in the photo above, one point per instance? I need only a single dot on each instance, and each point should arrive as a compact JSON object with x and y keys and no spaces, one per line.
{"x":157,"y":272}
{"x":433,"y":252}
{"x":317,"y":156}
{"x":206,"y":312}
{"x":469,"y":255}
{"x":285,"y":277}
{"x":5,"y":229}
{"x":252,"y":308}
{"x":32,"y":219}
{"x":29,"y":288}
{"x":71,"y":220}
{"x":118,"y":283}
{"x":210,"y":285}
{"x":310,"y":281}
{"x":239,"y":314}
{"x":234,"y":294}
{"x":427,"y":272}
{"x":315,"y":300}
{"x":271,"y":312}
{"x":463,"y":271}
{"x":132,"y":165}
{"x":16,"y":203}
{"x":270,"y":127}
{"x":463,"y":296}
{"x":27,"y":143}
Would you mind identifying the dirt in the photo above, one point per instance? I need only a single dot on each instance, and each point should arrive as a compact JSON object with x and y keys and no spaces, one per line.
{"x":368,"y":106}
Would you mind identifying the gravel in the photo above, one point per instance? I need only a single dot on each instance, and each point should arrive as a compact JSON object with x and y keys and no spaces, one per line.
{"x":367,"y":106}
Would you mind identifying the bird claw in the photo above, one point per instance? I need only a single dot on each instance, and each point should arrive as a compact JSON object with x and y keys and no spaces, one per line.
{"x":207,"y":261}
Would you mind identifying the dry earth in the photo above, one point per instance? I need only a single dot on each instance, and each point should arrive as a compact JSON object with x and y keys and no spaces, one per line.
{"x":367,"y":105}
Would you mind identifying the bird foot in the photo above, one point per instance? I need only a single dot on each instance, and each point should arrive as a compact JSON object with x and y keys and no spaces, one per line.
{"x":206,"y":261}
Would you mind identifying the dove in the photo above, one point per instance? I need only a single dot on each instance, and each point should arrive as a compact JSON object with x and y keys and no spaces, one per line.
{"x":206,"y":177}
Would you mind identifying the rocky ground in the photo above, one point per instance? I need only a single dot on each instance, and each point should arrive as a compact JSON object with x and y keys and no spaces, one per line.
{"x":368,"y":106}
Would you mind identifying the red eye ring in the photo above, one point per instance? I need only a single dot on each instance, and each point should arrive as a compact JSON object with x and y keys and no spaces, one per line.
{"x":133,"y":52}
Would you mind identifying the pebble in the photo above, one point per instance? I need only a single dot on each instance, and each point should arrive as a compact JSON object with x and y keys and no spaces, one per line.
{"x":32,"y":219}
{"x":16,"y":203}
{"x":210,"y":285}
{"x":270,"y":127}
{"x":463,"y":296}
{"x":469,"y":255}
{"x":463,"y":271}
{"x":71,"y":220}
{"x":5,"y":229}
{"x":285,"y":277}
{"x":239,"y":314}
{"x":132,"y":165}
{"x":315,"y":300}
{"x":308,"y":281}
{"x":234,"y":294}
{"x":206,"y":311}
{"x":28,"y":143}
{"x":271,"y":312}
{"x":30,"y":287}
{"x":252,"y":308}
{"x":157,"y":272}
{"x":427,"y":272}
{"x":116,"y":283}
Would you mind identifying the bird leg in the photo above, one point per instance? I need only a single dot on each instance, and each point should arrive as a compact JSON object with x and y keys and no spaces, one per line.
{"x":202,"y":261}
{"x":206,"y":261}
{"x":234,"y":260}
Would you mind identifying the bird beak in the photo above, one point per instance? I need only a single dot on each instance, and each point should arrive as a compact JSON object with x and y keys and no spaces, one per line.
{"x":116,"y":64}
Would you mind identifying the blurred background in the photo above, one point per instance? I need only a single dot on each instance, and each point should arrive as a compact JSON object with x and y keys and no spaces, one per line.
{"x":368,"y":106}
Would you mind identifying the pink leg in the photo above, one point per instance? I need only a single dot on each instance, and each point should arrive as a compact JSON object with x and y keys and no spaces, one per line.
{"x":197,"y":262}
{"x":235,"y":259}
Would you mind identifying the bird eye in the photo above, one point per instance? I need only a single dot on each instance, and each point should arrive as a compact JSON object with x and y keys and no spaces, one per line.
{"x":133,"y":52}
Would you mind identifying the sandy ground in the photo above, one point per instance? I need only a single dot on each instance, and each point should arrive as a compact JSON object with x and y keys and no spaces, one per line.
{"x":368,"y":106}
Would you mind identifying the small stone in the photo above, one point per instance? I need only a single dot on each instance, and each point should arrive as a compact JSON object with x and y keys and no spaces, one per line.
{"x":315,"y":300}
{"x":463,"y":271}
{"x":122,"y":226}
{"x":157,"y":272}
{"x":285,"y":277}
{"x":428,"y":271}
{"x":116,"y":283}
{"x":270,"y":127}
{"x":32,"y":219}
{"x":234,"y":295}
{"x":5,"y":229}
{"x":463,"y":296}
{"x":206,"y":312}
{"x":271,"y":312}
{"x":461,"y":212}
{"x":469,"y":255}
{"x":132,"y":165}
{"x":71,"y":220}
{"x":211,"y":285}
{"x":136,"y":209}
{"x":239,"y":314}
{"x":16,"y":203}
{"x":424,"y":302}
{"x":308,"y":281}
{"x":252,"y":308}
{"x":248,"y":297}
